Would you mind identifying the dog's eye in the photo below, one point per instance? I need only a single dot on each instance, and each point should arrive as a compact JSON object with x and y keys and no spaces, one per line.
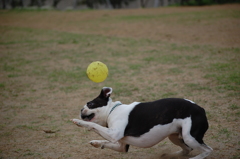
{"x":89,"y":104}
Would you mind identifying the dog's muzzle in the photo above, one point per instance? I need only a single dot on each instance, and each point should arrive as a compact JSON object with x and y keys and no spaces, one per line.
{"x":87,"y":117}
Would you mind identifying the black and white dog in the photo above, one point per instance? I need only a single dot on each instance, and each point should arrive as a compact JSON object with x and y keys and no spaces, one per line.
{"x":145,"y":124}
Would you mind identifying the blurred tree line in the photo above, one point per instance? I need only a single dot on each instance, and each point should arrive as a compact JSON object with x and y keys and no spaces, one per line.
{"x":206,"y":2}
{"x":110,"y":3}
{"x":24,"y":3}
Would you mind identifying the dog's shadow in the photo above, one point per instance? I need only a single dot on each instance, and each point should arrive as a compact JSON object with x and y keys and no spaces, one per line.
{"x":171,"y":156}
{"x":168,"y":155}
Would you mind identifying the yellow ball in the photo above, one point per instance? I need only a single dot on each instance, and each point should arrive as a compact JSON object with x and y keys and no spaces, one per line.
{"x":97,"y":71}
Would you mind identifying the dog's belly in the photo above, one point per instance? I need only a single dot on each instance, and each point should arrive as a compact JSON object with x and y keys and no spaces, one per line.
{"x":155,"y":135}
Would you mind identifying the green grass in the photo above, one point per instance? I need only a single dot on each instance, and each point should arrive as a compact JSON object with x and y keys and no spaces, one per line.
{"x":2,"y":85}
{"x":199,"y":87}
{"x":124,"y":89}
{"x":74,"y":75}
{"x":169,"y":95}
{"x":6,"y":134}
{"x":234,"y":107}
{"x":135,"y":66}
{"x":27,"y":127}
{"x":70,"y":88}
{"x":184,"y":18}
{"x":227,"y":75}
{"x":175,"y":71}
{"x":225,"y":131}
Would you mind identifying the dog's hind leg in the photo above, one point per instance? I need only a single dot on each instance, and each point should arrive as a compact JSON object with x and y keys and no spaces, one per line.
{"x":177,"y":140}
{"x":206,"y":150}
{"x":192,"y":133}
{"x":118,"y":146}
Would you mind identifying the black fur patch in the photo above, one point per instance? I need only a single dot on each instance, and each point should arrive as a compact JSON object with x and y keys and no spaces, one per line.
{"x":100,"y":101}
{"x":126,"y":148}
{"x":96,"y":103}
{"x":147,"y":115}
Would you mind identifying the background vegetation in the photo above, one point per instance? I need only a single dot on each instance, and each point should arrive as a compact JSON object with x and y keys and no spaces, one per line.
{"x":110,"y":3}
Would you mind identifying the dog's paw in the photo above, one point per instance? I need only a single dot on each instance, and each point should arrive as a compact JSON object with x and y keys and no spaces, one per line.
{"x":77,"y":122}
{"x":95,"y":143}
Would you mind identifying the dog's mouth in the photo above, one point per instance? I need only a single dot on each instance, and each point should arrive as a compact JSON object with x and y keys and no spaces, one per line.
{"x":87,"y":117}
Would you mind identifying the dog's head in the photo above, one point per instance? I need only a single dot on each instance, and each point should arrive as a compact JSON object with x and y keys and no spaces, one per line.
{"x":97,"y":110}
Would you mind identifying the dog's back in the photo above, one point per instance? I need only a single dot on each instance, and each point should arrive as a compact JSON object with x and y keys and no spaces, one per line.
{"x":145,"y":116}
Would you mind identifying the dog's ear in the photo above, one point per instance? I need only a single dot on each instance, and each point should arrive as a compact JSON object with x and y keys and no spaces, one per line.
{"x":105,"y":92}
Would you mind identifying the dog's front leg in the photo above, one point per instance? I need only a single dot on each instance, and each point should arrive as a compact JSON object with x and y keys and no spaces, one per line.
{"x":118,"y":146}
{"x":110,"y":134}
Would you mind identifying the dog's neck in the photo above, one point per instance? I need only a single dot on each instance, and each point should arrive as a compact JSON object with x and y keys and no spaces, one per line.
{"x":112,"y":105}
{"x":116,"y":105}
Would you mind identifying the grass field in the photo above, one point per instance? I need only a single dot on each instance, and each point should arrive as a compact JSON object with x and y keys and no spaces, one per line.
{"x":186,"y":52}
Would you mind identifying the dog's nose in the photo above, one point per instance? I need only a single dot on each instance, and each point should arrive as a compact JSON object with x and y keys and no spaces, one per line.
{"x":82,"y":110}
